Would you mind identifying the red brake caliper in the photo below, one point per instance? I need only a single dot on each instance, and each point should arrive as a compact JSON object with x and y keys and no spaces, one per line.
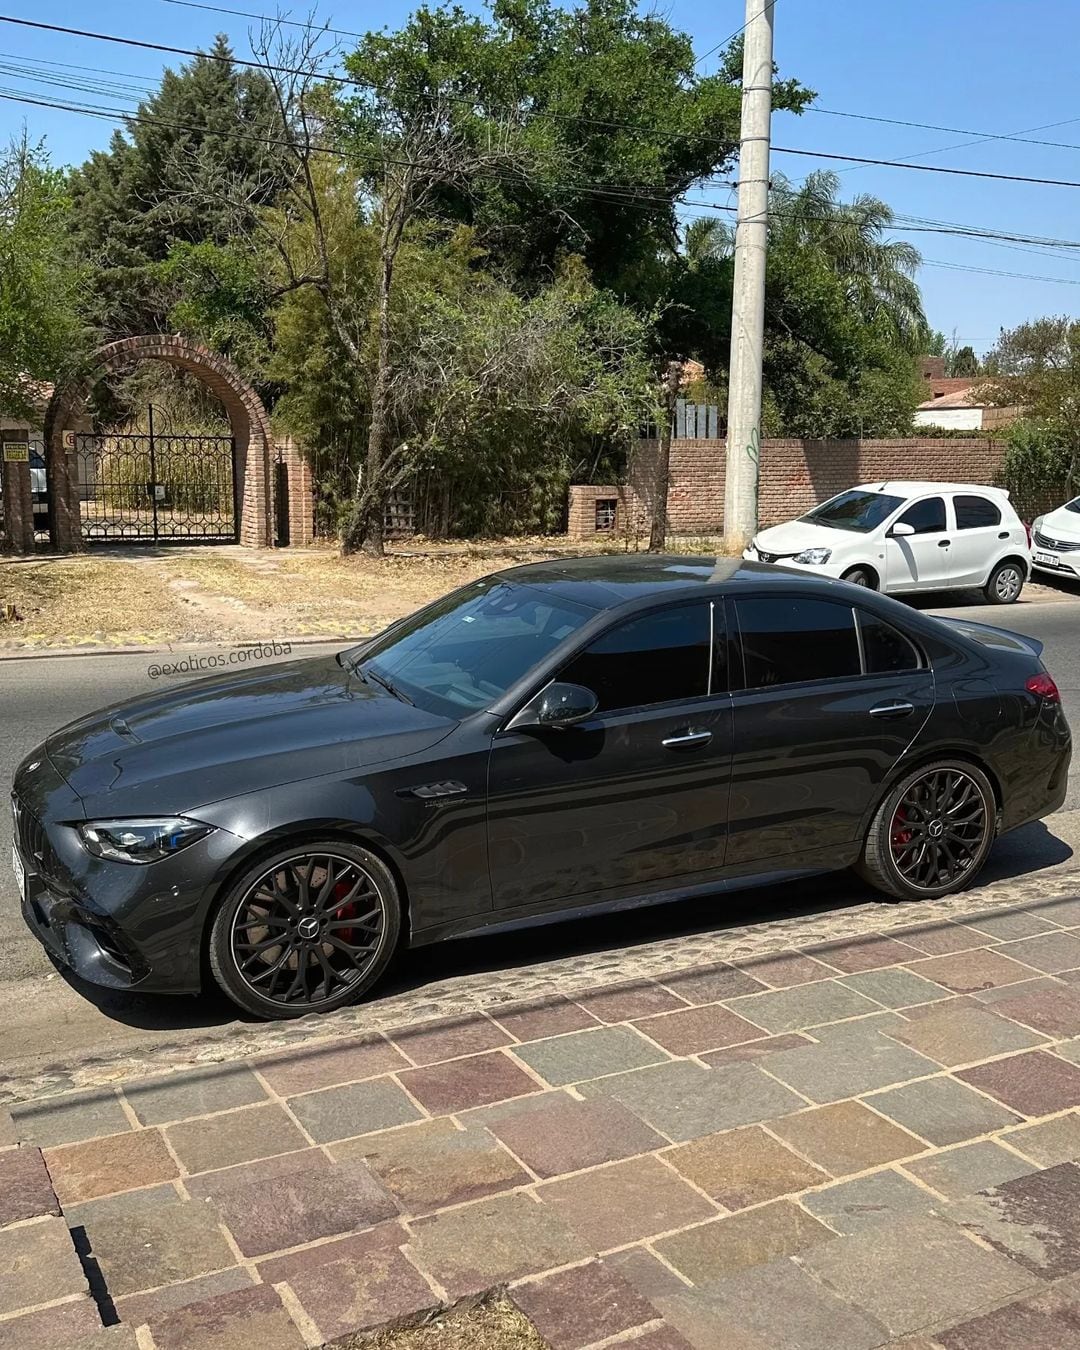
{"x":901,"y":835}
{"x":348,"y":911}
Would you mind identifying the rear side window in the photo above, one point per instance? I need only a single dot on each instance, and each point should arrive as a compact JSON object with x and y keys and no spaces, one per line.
{"x":790,"y":641}
{"x":659,"y":657}
{"x":973,"y":513}
{"x":926,"y":517}
{"x":885,"y":648}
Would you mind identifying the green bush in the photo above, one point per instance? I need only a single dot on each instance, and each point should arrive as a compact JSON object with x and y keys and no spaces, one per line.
{"x":1036,"y":470}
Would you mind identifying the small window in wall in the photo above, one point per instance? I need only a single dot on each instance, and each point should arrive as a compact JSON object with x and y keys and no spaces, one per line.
{"x":606,"y":508}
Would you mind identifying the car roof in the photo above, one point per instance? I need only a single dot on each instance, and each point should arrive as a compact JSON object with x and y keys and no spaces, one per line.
{"x":912,"y":487}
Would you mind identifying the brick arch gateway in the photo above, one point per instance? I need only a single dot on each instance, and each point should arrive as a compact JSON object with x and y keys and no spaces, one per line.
{"x":253,"y":440}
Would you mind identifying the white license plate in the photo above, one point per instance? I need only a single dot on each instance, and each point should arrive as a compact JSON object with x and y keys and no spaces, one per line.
{"x":19,"y":870}
{"x":1048,"y":559}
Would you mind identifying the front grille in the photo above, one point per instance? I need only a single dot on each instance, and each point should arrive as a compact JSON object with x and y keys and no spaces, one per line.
{"x":1058,"y":545}
{"x":31,"y":837}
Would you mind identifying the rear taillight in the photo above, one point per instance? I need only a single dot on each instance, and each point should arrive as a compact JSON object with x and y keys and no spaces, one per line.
{"x":1027,"y":531}
{"x":1042,"y":686}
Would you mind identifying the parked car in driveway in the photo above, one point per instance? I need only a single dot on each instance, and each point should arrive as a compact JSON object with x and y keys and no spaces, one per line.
{"x":904,"y":537}
{"x":1056,"y":541}
{"x":560,"y":739}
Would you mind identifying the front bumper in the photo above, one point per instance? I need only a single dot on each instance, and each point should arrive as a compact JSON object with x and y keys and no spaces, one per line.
{"x":1067,"y":566}
{"x":829,"y":569}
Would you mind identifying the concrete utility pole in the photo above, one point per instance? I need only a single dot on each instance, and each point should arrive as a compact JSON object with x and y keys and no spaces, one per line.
{"x":748,"y":302}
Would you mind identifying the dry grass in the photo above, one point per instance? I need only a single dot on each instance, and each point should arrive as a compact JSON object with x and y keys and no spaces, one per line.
{"x":494,"y":1324}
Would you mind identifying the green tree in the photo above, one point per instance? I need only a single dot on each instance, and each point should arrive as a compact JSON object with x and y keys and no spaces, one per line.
{"x":963,"y":361}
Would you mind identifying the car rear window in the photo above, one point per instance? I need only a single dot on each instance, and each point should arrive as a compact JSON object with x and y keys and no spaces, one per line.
{"x":973,"y":513}
{"x":885,"y":648}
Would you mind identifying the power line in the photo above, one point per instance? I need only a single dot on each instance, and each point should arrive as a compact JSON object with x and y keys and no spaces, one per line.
{"x":930,"y":168}
{"x":732,"y":36}
{"x":955,"y":131}
{"x":267,"y":18}
{"x":996,"y":272}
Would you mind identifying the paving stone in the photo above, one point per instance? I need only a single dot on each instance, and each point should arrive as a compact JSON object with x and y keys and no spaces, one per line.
{"x":197,"y":1092}
{"x":356,"y":1108}
{"x":803,"y":1006}
{"x":363,"y":1291}
{"x":1034,"y":1219}
{"x":65,"y":1327}
{"x":710,"y":984}
{"x":1048,"y":1143}
{"x":788,"y":1310}
{"x":859,"y":1061}
{"x":1048,"y":952}
{"x":434,"y":1164}
{"x":860,"y":1030}
{"x":1069,"y":1050}
{"x":694,"y":1314}
{"x":622,"y":1003}
{"x":685,"y":1102}
{"x":1008,"y":925}
{"x":236,"y":1137}
{"x":471,"y":1248}
{"x":8,"y":1133}
{"x":864,"y":953}
{"x":753,"y":1237}
{"x":464,"y":1083}
{"x":625,"y":1202}
{"x":846,"y":1137}
{"x":66,"y":1120}
{"x":120,"y":1205}
{"x":236,"y":1321}
{"x":1038,"y":984}
{"x":1064,"y":912}
{"x":942,"y":1110}
{"x":754,"y":1050}
{"x":696,"y":1029}
{"x":174,"y":1241}
{"x":1036,"y":1084}
{"x":854,"y":1206}
{"x":118,"y":1162}
{"x":1014,"y":1327}
{"x":941,"y":938}
{"x":25,"y":1189}
{"x":573,"y":1308}
{"x":1055,"y":1012}
{"x":962,"y":1035}
{"x":37,"y":1265}
{"x":971,"y":1167}
{"x":588,"y":1054}
{"x":787,"y":968}
{"x":136,"y":1309}
{"x":542,"y":1018}
{"x":896,"y":987}
{"x":390,"y":1236}
{"x":743,"y":1167}
{"x":553,"y":1133}
{"x":646,"y":1272}
{"x":915,"y":1273}
{"x":317,"y":1066}
{"x":966,"y":972}
{"x":449,"y":1038}
{"x":307,"y":1199}
{"x":661,"y":1338}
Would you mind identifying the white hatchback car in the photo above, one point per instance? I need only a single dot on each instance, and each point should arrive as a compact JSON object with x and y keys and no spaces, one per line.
{"x":905,"y":536}
{"x":1057,"y":541}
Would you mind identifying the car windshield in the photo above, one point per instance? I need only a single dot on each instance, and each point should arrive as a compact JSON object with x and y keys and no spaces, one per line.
{"x":1073,"y":506}
{"x":855,"y":510}
{"x":464,"y":651}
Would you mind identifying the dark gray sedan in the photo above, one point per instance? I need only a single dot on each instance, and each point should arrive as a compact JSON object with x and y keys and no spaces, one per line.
{"x":558,"y":739}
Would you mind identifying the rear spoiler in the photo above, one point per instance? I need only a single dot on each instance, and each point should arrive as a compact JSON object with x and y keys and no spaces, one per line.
{"x":1000,"y":638}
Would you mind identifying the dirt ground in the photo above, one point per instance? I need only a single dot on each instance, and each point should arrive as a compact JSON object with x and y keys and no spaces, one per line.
{"x":492,"y":1325}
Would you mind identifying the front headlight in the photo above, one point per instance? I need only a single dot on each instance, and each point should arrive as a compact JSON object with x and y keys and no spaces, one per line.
{"x":813,"y":556}
{"x":141,"y":841}
{"x":1036,"y":524}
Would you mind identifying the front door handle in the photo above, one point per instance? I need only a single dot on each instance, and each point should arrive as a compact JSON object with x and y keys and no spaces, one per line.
{"x":944,"y":543}
{"x":687,"y":740}
{"x":893,"y":710}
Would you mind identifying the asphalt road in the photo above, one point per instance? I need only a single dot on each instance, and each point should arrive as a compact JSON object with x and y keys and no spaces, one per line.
{"x":45,"y":1016}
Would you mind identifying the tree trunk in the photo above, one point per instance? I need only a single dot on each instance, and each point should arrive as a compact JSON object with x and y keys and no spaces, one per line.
{"x":658,"y":529}
{"x":365,"y":529}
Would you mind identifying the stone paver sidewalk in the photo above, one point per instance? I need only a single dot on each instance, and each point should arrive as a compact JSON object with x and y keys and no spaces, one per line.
{"x":863,"y":1144}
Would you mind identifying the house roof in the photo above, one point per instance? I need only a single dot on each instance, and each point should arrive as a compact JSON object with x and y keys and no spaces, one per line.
{"x":965,"y":397}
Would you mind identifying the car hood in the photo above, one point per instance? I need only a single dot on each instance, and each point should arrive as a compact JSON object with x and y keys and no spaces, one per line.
{"x":795,"y":535}
{"x":1061,"y":524}
{"x":233,"y":733}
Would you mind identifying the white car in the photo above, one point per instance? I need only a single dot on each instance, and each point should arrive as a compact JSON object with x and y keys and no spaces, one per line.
{"x":1057,"y":541}
{"x":902,"y":537}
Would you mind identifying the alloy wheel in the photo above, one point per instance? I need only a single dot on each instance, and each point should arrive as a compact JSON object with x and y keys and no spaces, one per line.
{"x":939,"y":829}
{"x":308,"y":929}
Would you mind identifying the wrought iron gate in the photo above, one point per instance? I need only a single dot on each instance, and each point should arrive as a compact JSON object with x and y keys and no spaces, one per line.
{"x":157,"y":487}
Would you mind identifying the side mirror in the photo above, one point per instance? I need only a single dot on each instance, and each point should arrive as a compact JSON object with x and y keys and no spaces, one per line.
{"x":559,"y":705}
{"x":901,"y":530}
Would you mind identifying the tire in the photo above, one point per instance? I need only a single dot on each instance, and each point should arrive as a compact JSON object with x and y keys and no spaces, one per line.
{"x":861,"y":576}
{"x":322,"y":883}
{"x":892,"y":858}
{"x":1005,"y":583}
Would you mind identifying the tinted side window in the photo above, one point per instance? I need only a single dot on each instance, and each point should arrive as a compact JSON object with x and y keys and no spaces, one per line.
{"x":885,"y":648}
{"x":659,"y":657}
{"x":974,"y":512}
{"x":789,"y":641}
{"x":926,"y":517}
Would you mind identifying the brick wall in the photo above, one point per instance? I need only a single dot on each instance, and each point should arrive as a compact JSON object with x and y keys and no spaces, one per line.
{"x":795,"y":475}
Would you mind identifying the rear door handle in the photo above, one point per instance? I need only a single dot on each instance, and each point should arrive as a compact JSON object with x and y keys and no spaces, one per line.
{"x":687,"y":740}
{"x":897,"y":709}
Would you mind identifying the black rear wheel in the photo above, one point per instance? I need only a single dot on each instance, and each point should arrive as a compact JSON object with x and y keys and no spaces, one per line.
{"x":1005,"y":583}
{"x":306,"y":930}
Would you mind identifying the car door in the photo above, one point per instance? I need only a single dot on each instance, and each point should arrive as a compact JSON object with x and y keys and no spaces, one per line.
{"x":831,"y":697}
{"x":919,"y":561}
{"x":634,"y":799}
{"x":977,"y":540}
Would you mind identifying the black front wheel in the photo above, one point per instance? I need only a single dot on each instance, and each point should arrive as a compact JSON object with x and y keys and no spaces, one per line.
{"x":932,"y":833}
{"x":861,"y":576}
{"x":308,"y":929}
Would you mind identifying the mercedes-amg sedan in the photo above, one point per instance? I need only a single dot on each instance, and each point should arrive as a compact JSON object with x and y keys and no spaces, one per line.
{"x":559,"y":739}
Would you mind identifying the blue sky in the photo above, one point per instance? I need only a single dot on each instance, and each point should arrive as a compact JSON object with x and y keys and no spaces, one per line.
{"x":960,"y":63}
